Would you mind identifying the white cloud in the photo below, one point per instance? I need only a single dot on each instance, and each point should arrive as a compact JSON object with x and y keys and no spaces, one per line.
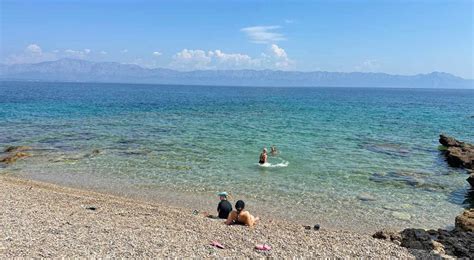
{"x":103,"y":52}
{"x":231,"y":60}
{"x":289,"y":21}
{"x":157,"y":53}
{"x":124,"y":51}
{"x":33,"y":49}
{"x":281,"y":58}
{"x":33,"y":53}
{"x":191,"y":59}
{"x":263,"y":34}
{"x":275,"y":58}
{"x":278,"y":52}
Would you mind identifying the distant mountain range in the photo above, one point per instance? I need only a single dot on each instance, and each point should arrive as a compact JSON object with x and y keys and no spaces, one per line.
{"x":73,"y":70}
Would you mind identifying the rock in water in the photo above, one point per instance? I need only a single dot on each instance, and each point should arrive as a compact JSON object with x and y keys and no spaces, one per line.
{"x":465,"y":221}
{"x":366,"y":197}
{"x":13,"y":148}
{"x":458,"y":154}
{"x":11,"y":158}
{"x":470,"y":179}
{"x":448,"y":141}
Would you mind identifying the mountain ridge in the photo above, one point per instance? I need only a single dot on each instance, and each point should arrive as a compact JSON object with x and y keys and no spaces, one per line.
{"x":75,"y":70}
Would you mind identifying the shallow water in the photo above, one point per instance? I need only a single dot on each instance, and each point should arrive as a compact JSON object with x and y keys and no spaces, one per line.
{"x":350,"y":158}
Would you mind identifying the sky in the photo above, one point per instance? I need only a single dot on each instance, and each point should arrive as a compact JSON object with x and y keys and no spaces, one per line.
{"x":396,"y":37}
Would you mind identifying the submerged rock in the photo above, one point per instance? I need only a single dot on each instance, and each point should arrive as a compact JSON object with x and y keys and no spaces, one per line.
{"x":13,"y":157}
{"x":413,"y":179}
{"x":366,"y":197}
{"x":457,"y":153}
{"x":401,"y":215}
{"x":12,"y":148}
{"x":388,"y":149}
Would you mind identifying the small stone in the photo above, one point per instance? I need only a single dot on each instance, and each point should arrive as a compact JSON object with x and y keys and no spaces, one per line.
{"x":366,"y":197}
{"x":438,"y":247}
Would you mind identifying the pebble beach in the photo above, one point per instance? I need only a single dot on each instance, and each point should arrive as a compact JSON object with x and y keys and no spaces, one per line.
{"x":45,"y":220}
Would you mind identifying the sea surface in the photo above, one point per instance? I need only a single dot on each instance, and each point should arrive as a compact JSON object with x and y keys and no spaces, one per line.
{"x":349,"y":158}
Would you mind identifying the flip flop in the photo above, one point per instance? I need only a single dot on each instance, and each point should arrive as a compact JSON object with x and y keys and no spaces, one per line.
{"x":263,"y":247}
{"x":217,"y":244}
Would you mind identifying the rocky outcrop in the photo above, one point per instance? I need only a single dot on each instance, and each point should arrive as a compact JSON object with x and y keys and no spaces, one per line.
{"x":458,"y":154}
{"x":458,"y":242}
{"x":465,"y":221}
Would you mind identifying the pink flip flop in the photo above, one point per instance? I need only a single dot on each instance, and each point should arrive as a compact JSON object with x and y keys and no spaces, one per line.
{"x":263,"y":247}
{"x":217,"y":244}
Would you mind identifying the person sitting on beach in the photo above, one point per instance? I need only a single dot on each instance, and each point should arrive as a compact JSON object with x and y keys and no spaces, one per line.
{"x":224,"y":207}
{"x":273,"y":150}
{"x":241,"y":216}
{"x":263,"y":156}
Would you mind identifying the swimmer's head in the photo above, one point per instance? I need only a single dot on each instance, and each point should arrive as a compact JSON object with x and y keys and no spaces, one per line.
{"x":264,"y":150}
{"x":239,"y":205}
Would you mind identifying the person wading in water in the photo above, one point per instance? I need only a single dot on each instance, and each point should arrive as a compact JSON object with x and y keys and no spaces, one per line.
{"x":263,"y":156}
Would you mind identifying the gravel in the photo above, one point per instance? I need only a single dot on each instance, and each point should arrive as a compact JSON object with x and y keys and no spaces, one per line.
{"x":44,"y":220}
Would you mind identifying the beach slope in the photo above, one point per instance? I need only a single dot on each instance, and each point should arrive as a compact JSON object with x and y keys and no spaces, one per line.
{"x":45,"y":220}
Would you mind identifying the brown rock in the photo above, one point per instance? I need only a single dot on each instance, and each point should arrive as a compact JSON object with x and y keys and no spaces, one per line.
{"x":448,"y":141}
{"x":465,"y":221}
{"x":386,"y":234}
{"x":458,"y":154}
{"x":438,"y":247}
{"x":11,"y":158}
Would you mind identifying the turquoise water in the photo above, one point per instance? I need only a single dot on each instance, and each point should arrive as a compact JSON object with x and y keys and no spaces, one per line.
{"x":355,"y":158}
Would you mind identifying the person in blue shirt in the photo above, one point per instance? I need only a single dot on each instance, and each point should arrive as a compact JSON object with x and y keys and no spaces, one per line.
{"x":224,"y":207}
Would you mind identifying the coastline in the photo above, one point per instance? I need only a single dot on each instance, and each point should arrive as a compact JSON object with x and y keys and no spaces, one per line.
{"x":47,"y":220}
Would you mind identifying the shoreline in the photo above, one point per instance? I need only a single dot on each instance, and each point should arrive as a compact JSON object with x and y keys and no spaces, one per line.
{"x":48,"y":220}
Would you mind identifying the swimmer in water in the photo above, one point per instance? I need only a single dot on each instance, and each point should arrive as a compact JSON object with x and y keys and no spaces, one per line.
{"x":263,"y":156}
{"x":273,"y":150}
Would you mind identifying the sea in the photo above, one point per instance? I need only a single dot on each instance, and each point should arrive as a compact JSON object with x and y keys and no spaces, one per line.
{"x":357,"y":159}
